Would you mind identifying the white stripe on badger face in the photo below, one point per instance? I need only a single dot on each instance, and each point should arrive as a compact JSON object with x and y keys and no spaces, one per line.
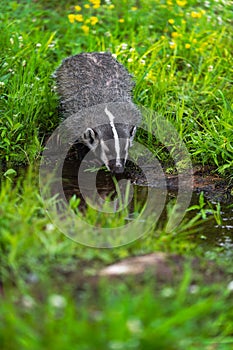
{"x":126,"y":149}
{"x":115,"y":135}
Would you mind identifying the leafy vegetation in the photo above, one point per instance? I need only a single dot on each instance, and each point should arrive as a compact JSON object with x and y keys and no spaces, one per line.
{"x":178,"y":51}
{"x":180,"y":55}
{"x":41,"y":293}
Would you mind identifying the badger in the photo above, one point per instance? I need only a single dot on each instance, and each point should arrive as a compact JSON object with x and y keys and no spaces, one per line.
{"x":95,"y":89}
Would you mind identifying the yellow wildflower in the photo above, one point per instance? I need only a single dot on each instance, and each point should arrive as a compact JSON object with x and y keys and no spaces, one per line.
{"x":121,"y":20}
{"x":87,"y":6}
{"x":163,"y":37}
{"x":171,"y":21}
{"x":78,"y":8}
{"x":93,"y":20}
{"x":187,"y":46}
{"x":172,"y":44}
{"x":85,"y":29}
{"x":110,"y":7}
{"x":150,"y":76}
{"x":181,"y":3}
{"x":194,"y":41}
{"x":169,"y":2}
{"x":175,"y":34}
{"x":79,"y":18}
{"x":71,"y":18}
{"x":196,"y":14}
{"x":134,"y":8}
{"x":95,"y":3}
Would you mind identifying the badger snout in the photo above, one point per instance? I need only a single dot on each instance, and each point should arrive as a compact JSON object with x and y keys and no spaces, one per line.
{"x":116,"y":167}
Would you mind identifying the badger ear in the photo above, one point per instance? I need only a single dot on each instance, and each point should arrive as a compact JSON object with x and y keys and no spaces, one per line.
{"x":132,"y":134}
{"x":90,"y":138}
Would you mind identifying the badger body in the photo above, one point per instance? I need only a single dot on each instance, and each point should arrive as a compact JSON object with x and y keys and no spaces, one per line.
{"x":95,"y":96}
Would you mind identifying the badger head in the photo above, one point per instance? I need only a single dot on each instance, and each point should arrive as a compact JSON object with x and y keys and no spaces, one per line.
{"x":111,"y":142}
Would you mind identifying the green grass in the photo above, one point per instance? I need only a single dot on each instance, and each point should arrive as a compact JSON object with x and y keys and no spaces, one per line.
{"x":50,"y":302}
{"x":180,"y":55}
{"x":117,"y":318}
{"x":183,"y":70}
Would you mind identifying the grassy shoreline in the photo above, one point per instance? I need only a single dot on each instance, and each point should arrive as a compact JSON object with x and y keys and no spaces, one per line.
{"x":180,"y":55}
{"x":182,"y":65}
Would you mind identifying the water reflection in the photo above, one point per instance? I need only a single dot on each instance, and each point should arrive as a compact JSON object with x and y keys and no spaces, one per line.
{"x":209,"y":232}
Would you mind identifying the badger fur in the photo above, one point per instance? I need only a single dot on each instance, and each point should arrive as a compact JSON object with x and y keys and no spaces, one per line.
{"x":95,"y":89}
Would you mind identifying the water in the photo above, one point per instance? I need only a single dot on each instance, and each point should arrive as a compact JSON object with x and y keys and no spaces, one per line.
{"x":210,"y":232}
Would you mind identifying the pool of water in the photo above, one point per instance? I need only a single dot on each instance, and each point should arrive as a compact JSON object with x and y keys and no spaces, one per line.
{"x":210,"y":233}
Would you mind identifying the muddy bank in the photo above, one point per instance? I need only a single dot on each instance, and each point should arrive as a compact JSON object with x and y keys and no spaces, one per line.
{"x":204,"y":179}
